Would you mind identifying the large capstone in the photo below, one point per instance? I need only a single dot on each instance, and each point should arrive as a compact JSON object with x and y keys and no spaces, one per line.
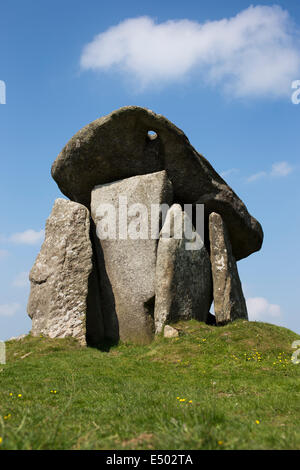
{"x":183,"y":284}
{"x":120,"y":145}
{"x":127,"y":245}
{"x":62,"y":299}
{"x":229,"y":301}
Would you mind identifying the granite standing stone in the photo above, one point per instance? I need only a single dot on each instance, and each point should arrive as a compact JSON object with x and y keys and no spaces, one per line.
{"x":127,"y":266}
{"x":61,"y":275}
{"x":183,"y":284}
{"x":229,"y":301}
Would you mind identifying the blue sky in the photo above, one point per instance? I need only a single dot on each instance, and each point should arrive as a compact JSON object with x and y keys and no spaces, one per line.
{"x":227,"y":85}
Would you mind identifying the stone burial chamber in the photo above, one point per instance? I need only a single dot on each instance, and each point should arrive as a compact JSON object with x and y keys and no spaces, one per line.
{"x":114,"y":264}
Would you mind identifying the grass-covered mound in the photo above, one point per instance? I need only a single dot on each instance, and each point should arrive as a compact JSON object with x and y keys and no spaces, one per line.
{"x":233,"y":387}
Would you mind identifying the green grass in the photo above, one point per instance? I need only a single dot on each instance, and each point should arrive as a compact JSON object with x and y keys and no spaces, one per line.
{"x":242,"y":396}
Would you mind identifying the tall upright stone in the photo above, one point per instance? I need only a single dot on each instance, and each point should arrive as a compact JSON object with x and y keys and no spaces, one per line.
{"x":183,"y":284}
{"x":229,"y":301}
{"x":61,"y":301}
{"x":127,"y":257}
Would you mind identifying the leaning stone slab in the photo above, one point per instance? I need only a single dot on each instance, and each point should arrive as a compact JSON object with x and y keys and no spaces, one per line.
{"x":229,"y":301}
{"x":183,"y":284}
{"x":61,"y":274}
{"x":119,"y":146}
{"x":127,"y":265}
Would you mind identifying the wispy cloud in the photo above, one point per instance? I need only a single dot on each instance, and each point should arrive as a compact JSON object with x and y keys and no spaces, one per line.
{"x":255,"y":53}
{"x":257,"y":176}
{"x":281,"y":169}
{"x":28,"y":237}
{"x":21,"y":280}
{"x":230,"y":172}
{"x":278,"y":170}
{"x":261,"y":309}
{"x":8,"y":310}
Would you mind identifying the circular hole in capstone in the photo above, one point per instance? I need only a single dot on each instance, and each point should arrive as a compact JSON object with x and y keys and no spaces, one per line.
{"x":152,"y":135}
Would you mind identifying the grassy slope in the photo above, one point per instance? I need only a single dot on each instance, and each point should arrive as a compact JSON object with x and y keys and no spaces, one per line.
{"x":127,"y":398}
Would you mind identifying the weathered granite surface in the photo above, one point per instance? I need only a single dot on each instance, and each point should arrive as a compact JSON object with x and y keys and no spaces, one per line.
{"x":118,"y":146}
{"x":229,"y":301}
{"x":183,"y":284}
{"x":60,"y":276}
{"x":127,"y":266}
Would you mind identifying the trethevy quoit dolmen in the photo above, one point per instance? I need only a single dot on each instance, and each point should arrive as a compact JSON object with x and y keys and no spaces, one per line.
{"x":118,"y":262}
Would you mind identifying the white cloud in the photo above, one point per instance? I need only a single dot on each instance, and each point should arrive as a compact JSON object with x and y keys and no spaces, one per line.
{"x":261,"y":309}
{"x":255,"y":53}
{"x":22,"y":279}
{"x":29,"y":237}
{"x":8,"y":310}
{"x":279,"y":170}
